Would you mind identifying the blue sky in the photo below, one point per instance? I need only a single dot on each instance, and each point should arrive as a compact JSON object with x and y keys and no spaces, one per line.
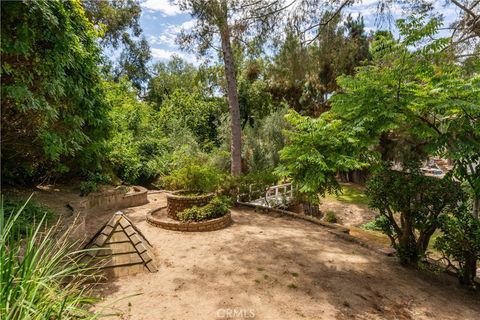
{"x":161,"y":22}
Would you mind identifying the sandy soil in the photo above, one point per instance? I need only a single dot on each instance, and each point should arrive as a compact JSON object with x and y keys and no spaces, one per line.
{"x":348,"y":214}
{"x":272,"y":267}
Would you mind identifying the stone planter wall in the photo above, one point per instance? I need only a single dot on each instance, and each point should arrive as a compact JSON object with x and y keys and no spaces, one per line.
{"x":177,"y":203}
{"x":117,"y":199}
{"x":209,"y":225}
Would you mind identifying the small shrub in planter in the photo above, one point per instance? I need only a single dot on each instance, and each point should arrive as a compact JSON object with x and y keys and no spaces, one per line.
{"x":216,"y":208}
{"x":194,"y":178}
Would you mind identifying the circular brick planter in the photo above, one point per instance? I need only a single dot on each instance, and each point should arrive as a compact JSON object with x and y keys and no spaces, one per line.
{"x":159,"y":218}
{"x":176,"y":202}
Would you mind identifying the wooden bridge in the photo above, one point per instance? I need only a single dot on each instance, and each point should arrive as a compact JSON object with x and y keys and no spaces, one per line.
{"x":278,"y":196}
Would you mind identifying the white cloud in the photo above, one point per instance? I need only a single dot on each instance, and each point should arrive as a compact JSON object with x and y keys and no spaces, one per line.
{"x":163,"y":54}
{"x":162,"y":5}
{"x":169,"y":33}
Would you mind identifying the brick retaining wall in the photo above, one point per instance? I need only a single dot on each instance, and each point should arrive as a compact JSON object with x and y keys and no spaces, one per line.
{"x":177,"y":203}
{"x":209,"y":225}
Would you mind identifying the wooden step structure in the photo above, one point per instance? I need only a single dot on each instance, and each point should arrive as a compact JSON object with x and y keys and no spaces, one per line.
{"x":119,"y":248}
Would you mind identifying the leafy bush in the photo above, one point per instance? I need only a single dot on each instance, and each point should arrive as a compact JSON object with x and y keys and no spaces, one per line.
{"x":32,"y":214}
{"x":216,"y":208}
{"x":93,"y":181}
{"x":194,"y":177}
{"x":417,"y":201}
{"x":377,"y":224}
{"x":54,"y":113}
{"x":331,"y":217}
{"x":40,"y":276}
{"x":460,"y":244}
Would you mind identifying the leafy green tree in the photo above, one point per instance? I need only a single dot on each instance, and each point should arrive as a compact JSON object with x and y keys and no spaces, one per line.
{"x":172,"y":75}
{"x":316,"y":150}
{"x":460,"y":244}
{"x":119,"y":25}
{"x":229,"y":20}
{"x":411,"y":103}
{"x":115,"y":19}
{"x":412,"y":204}
{"x":255,"y":100}
{"x":416,"y":98}
{"x":304,"y":74}
{"x":190,"y":111}
{"x":138,"y":150}
{"x":133,"y":62}
{"x":54,"y":115}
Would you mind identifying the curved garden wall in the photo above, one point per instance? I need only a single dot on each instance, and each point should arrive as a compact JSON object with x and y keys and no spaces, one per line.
{"x":157,"y":219}
{"x":176,"y":202}
{"x":117,"y":199}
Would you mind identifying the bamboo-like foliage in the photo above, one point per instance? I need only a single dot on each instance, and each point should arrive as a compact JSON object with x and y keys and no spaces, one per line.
{"x":41,"y":276}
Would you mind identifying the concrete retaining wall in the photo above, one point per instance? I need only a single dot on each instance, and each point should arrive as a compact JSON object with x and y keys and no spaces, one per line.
{"x":117,"y":199}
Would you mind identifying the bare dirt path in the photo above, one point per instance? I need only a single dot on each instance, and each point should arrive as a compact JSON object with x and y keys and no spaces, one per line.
{"x":271,"y":267}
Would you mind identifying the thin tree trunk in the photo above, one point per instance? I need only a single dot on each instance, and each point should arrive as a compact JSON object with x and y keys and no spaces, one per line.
{"x":236,"y":144}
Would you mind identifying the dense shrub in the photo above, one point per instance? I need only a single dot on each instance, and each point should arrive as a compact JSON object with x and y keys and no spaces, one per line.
{"x":412,"y":203}
{"x":54,"y":114}
{"x":263,"y":141}
{"x":460,"y":244}
{"x":216,"y":208}
{"x":257,"y":182}
{"x":378,"y":224}
{"x":194,"y":177}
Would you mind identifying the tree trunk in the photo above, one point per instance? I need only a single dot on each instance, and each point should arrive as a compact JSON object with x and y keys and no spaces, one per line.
{"x":468,"y":272}
{"x":236,"y":143}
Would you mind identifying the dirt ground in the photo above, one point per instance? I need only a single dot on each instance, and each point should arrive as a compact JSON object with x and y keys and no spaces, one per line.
{"x":272,"y":267}
{"x":267,"y":267}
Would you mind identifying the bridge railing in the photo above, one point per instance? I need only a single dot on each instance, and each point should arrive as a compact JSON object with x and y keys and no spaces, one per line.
{"x":273,"y":196}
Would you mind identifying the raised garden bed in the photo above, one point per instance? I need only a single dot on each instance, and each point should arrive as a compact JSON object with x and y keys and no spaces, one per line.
{"x":180,"y":200}
{"x":160,"y":218}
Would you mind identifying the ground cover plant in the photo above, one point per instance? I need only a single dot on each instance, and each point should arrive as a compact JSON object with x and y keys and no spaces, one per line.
{"x":41,"y":276}
{"x":216,"y":208}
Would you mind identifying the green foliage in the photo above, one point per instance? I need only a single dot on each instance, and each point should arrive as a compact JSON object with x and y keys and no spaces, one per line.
{"x":412,"y":203}
{"x":255,"y":182}
{"x":118,"y":23}
{"x":138,"y":149}
{"x":330,"y":217}
{"x":187,"y":110}
{"x":413,"y":101}
{"x":305,"y":75}
{"x":460,"y":242}
{"x":176,"y":74}
{"x":194,"y":176}
{"x":378,"y":224}
{"x":54,"y":115}
{"x":216,"y":208}
{"x":87,"y":187}
{"x":92,"y":182}
{"x":316,"y":150}
{"x":32,"y":214}
{"x":263,"y":141}
{"x":40,"y":276}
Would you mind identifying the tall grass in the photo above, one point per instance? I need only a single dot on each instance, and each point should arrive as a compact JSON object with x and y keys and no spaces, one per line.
{"x":40,"y":273}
